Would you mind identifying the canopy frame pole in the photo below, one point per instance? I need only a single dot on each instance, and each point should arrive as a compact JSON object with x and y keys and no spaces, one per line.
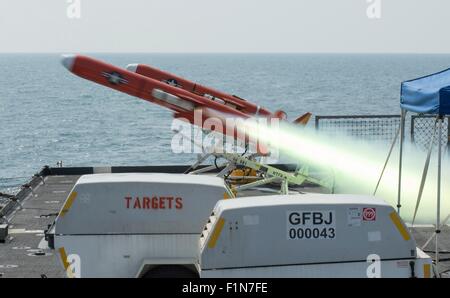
{"x":402,"y":139}
{"x":425,"y":171}
{"x":438,"y":196}
{"x":387,"y":159}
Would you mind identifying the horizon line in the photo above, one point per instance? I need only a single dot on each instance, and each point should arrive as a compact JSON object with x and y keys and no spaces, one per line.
{"x":228,"y":53}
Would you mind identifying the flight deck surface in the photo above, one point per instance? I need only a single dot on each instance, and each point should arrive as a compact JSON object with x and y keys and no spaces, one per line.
{"x":25,"y":252}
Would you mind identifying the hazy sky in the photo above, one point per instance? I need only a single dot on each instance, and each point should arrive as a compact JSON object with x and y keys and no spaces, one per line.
{"x":419,"y":26}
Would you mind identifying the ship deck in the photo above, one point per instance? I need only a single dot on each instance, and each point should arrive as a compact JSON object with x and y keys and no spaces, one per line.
{"x":25,"y":252}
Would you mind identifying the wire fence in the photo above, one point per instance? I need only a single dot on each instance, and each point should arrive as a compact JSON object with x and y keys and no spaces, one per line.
{"x":367,"y":127}
{"x":422,"y":127}
{"x":382,"y":128}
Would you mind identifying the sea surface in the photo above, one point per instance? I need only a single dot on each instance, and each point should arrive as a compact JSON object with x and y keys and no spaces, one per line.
{"x":47,"y":114}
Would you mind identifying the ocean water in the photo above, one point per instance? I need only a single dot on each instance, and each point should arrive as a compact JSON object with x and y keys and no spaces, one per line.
{"x":47,"y":114}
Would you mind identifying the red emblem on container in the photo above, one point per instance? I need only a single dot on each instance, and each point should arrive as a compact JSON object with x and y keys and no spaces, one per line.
{"x":369,"y":214}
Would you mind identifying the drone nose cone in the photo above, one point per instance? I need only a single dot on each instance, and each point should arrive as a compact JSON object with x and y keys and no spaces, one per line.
{"x":132,"y":67}
{"x":68,"y":61}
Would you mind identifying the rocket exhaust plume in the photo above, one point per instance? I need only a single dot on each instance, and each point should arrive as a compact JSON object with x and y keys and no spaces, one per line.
{"x":357,"y":166}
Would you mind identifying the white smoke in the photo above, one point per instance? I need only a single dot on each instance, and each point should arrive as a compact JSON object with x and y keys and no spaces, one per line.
{"x":357,"y":166}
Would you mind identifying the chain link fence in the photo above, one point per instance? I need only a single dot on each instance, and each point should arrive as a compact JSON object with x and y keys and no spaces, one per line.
{"x":422,"y":127}
{"x":382,"y":128}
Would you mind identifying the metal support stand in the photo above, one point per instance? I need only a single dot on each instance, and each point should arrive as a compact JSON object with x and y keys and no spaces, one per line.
{"x":200,"y":160}
{"x":270,"y":174}
{"x":257,"y":183}
{"x":284,"y":187}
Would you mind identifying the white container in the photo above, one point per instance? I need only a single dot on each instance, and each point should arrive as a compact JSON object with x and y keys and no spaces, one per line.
{"x":309,"y":236}
{"x":114,"y":225}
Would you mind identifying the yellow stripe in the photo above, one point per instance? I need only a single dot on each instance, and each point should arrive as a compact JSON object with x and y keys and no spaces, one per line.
{"x":216,"y":233}
{"x":400,"y":227}
{"x":426,"y":270}
{"x":62,"y":253}
{"x":68,"y":203}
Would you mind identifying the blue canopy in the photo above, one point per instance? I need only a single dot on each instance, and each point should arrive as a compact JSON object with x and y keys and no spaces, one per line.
{"x":428,"y":95}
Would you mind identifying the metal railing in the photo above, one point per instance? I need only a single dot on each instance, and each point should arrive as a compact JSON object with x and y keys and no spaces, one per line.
{"x":367,"y":127}
{"x":384,"y":127}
